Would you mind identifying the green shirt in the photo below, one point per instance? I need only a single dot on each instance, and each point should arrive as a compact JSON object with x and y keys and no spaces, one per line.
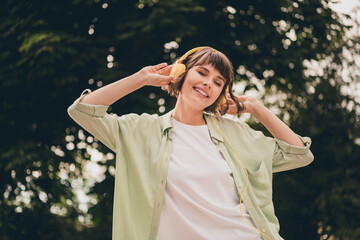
{"x":143,"y":148}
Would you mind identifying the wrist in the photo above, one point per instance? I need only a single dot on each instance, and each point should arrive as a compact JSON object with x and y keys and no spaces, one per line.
{"x":140,"y":79}
{"x":256,"y":109}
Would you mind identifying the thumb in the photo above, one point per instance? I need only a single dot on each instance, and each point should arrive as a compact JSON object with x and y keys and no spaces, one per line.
{"x":168,"y":78}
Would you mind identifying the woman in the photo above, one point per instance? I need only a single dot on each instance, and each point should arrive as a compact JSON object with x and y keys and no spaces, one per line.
{"x":183,"y":175}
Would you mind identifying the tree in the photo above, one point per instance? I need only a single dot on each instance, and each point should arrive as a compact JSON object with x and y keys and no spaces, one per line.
{"x":43,"y":56}
{"x":51,"y":51}
{"x":330,"y":192}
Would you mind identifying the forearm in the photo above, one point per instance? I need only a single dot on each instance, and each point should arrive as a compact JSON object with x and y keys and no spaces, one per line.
{"x":110,"y":93}
{"x":275,"y":126}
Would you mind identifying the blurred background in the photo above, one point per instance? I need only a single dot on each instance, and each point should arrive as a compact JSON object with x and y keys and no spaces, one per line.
{"x":301,"y":58}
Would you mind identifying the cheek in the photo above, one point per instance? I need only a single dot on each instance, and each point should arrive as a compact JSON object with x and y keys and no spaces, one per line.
{"x":218,"y":92}
{"x":215,"y":99}
{"x":187,"y":81}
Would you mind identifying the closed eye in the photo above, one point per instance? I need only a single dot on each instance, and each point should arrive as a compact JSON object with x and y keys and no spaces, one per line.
{"x":201,"y":73}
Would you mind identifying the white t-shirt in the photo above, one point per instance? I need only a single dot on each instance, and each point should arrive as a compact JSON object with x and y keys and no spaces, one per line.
{"x":201,"y":200}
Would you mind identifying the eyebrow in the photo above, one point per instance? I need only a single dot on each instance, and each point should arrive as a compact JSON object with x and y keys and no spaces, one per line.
{"x":207,"y":70}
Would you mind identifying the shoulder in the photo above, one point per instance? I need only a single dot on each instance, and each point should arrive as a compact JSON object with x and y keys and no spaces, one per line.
{"x":143,"y":116}
{"x":233,"y":122}
{"x":133,"y":119}
{"x":135,"y":126}
{"x":234,"y":125}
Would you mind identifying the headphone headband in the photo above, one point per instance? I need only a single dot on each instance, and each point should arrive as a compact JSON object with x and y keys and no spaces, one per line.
{"x":188,"y":53}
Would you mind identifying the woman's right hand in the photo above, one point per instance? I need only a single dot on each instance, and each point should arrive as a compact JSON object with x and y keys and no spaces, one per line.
{"x":157,"y":75}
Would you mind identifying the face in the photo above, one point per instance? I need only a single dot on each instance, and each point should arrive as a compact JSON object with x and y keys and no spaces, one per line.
{"x":202,"y":86}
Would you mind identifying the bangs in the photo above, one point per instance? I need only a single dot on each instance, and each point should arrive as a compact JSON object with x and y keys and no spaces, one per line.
{"x":217,"y":60}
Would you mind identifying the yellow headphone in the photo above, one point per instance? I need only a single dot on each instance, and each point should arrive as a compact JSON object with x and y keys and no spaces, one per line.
{"x":179,"y":68}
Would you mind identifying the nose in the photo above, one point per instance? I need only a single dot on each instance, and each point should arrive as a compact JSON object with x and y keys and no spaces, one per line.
{"x":207,"y":82}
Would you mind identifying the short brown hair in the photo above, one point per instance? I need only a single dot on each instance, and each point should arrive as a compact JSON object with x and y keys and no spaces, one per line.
{"x":220,"y":62}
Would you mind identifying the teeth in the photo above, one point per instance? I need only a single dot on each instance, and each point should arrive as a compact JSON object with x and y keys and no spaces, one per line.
{"x":201,"y":92}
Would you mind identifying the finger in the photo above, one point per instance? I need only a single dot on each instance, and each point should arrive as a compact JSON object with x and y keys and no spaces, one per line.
{"x":242,"y":98}
{"x":230,"y":101}
{"x":159,"y":66}
{"x":168,"y":79}
{"x":239,"y":98}
{"x":168,"y":69}
{"x":232,"y":110}
{"x":164,"y":71}
{"x":165,"y":87}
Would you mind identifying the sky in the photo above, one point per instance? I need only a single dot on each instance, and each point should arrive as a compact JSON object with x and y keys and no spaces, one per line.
{"x":344,"y":6}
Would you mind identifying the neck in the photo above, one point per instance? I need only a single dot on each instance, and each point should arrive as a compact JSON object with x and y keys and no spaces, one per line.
{"x":188,"y":115}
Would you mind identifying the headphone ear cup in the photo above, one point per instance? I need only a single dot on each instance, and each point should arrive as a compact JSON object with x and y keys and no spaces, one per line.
{"x":177,"y":69}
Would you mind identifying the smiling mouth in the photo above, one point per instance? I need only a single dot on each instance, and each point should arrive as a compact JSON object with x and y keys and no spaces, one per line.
{"x":201,"y":92}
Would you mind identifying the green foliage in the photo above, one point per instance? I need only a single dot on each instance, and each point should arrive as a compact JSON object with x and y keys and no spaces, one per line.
{"x":51,"y":50}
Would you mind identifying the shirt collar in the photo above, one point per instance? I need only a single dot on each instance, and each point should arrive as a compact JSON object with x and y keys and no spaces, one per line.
{"x":166,"y":121}
{"x":213,"y":128}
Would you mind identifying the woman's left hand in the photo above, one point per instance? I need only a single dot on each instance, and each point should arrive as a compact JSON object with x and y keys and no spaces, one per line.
{"x":249,"y":104}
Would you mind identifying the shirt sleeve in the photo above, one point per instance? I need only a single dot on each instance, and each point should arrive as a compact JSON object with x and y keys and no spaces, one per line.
{"x":284,"y":156}
{"x":287,"y":156}
{"x":95,"y":120}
